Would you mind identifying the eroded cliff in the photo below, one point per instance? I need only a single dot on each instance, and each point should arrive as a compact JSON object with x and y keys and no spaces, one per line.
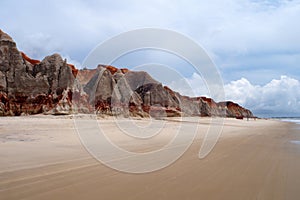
{"x":53,"y":86}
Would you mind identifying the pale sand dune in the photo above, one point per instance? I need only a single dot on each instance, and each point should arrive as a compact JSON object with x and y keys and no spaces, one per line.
{"x":42,"y":158}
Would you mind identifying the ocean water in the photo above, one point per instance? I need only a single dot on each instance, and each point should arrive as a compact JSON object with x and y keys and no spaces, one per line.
{"x":294,"y":120}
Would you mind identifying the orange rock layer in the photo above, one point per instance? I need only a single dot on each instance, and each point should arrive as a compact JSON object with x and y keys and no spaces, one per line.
{"x":31,"y":61}
{"x":113,"y":69}
{"x":74,"y":70}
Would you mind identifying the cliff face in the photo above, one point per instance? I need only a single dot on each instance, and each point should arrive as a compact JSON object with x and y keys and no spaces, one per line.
{"x":29,"y":86}
{"x":118,"y":92}
{"x":52,"y":86}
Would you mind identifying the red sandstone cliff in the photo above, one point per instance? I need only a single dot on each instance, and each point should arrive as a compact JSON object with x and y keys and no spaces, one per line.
{"x":29,"y":86}
{"x":53,"y":86}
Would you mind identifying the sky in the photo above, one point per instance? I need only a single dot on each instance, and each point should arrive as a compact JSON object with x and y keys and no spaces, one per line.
{"x":255,"y":44}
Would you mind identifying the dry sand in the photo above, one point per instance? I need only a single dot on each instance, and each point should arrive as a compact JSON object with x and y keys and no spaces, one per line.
{"x":41,"y":157}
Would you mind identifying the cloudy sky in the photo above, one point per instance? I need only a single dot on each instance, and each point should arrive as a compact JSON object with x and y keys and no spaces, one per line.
{"x":255,"y":44}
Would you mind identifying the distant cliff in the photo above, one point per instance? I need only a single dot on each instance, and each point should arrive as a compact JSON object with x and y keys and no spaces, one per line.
{"x":52,"y":86}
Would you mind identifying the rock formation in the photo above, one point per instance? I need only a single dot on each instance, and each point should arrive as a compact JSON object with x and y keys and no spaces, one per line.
{"x":52,"y":86}
{"x":117,"y":92}
{"x":29,"y":86}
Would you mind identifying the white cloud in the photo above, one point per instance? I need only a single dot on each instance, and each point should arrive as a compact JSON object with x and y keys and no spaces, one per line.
{"x":279,"y":97}
{"x":241,"y":91}
{"x":196,"y":86}
{"x":192,"y":86}
{"x":228,"y":29}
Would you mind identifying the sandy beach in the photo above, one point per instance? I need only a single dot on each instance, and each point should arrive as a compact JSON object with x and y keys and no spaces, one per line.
{"x":42,"y":157}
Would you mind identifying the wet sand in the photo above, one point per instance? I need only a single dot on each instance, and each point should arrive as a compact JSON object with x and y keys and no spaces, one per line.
{"x":41,"y":157}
